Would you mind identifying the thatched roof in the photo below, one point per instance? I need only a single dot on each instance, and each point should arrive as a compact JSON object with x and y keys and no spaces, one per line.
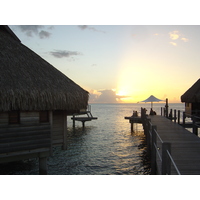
{"x":28,"y":82}
{"x":192,"y":95}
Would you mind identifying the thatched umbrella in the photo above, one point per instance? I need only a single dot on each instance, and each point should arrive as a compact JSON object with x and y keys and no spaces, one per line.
{"x":192,"y":95}
{"x":28,"y":82}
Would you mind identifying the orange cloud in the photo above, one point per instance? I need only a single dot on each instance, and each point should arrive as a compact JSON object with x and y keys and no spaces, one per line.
{"x":173,"y":43}
{"x":174,"y":35}
{"x":185,"y":39}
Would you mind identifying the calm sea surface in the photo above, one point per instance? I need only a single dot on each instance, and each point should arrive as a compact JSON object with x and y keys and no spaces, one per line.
{"x":105,"y":146}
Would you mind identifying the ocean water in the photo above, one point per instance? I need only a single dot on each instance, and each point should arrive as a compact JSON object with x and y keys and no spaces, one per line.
{"x":105,"y":146}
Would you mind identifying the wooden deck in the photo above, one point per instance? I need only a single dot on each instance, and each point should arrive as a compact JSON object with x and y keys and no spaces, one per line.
{"x":134,"y":119}
{"x":89,"y":117}
{"x":185,"y":146}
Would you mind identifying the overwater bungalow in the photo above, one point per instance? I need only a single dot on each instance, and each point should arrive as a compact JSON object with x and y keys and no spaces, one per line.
{"x":35,"y":99}
{"x":192,"y":99}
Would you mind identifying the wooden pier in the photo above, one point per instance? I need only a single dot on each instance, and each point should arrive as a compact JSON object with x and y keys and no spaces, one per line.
{"x":82,"y":119}
{"x":172,"y":148}
{"x":134,"y":119}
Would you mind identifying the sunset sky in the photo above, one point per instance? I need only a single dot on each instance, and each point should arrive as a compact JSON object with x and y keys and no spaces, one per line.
{"x":120,"y":63}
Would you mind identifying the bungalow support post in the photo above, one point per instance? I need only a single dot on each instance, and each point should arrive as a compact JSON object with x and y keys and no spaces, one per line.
{"x":43,"y":165}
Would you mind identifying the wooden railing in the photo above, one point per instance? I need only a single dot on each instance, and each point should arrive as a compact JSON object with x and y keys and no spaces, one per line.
{"x":180,"y":118}
{"x":157,"y":149}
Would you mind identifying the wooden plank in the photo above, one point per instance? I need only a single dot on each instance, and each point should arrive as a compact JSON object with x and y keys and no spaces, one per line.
{"x":21,"y":138}
{"x":23,"y":128}
{"x":58,"y":128}
{"x":185,"y":146}
{"x":3,"y":118}
{"x":25,"y":147}
{"x":21,"y":155}
{"x":38,"y":136}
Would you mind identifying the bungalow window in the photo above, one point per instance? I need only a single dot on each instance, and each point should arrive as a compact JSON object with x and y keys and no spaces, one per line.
{"x":44,"y":116}
{"x":14,"y":117}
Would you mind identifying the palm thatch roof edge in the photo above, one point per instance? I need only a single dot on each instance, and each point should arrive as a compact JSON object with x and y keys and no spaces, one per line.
{"x":192,"y":95}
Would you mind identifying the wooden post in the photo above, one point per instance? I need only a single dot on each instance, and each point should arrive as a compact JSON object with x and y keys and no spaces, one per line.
{"x":131,"y":126}
{"x":166,"y":162}
{"x":175,"y":115}
{"x":166,"y":108}
{"x":183,"y":119}
{"x":153,"y":150}
{"x":161,"y":111}
{"x":170,"y":115}
{"x":148,"y":137}
{"x":73,"y":121}
{"x":64,"y":130}
{"x":178,"y":116}
{"x":144,"y":119}
{"x":194,"y":127}
{"x":43,"y":165}
{"x":83,"y":124}
{"x":51,"y":127}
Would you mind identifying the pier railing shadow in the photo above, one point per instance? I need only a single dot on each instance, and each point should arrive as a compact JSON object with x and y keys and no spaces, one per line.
{"x":159,"y":151}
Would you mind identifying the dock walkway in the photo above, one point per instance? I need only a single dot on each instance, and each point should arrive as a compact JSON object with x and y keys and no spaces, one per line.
{"x":185,"y":146}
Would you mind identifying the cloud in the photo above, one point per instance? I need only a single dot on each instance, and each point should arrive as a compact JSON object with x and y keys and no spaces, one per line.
{"x":174,"y":35}
{"x":62,"y":53}
{"x":84,"y":27}
{"x":185,"y":39}
{"x":105,"y":96}
{"x":31,"y":30}
{"x":44,"y":34}
{"x":173,"y":43}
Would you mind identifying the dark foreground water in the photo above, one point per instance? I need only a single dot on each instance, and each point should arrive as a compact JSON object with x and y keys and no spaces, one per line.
{"x":105,"y":147}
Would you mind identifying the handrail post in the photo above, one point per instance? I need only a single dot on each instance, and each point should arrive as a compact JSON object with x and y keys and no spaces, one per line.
{"x":153,"y":150}
{"x":148,"y":136}
{"x":144,"y":120}
{"x":166,"y":162}
{"x":184,"y":119}
{"x":194,"y":128}
{"x":174,"y":115}
{"x":178,"y":116}
{"x":170,"y":115}
{"x":167,"y":107}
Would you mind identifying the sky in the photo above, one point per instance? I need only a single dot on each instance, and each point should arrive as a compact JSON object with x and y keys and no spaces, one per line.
{"x":114,"y":49}
{"x":120,"y":63}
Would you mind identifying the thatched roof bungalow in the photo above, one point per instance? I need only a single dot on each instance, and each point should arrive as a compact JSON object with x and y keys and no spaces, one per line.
{"x":28,"y":82}
{"x":35,"y":99}
{"x":192,"y":99}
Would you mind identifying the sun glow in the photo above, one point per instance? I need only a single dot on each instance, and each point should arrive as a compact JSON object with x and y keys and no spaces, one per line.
{"x":130,"y":84}
{"x":137,"y":81}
